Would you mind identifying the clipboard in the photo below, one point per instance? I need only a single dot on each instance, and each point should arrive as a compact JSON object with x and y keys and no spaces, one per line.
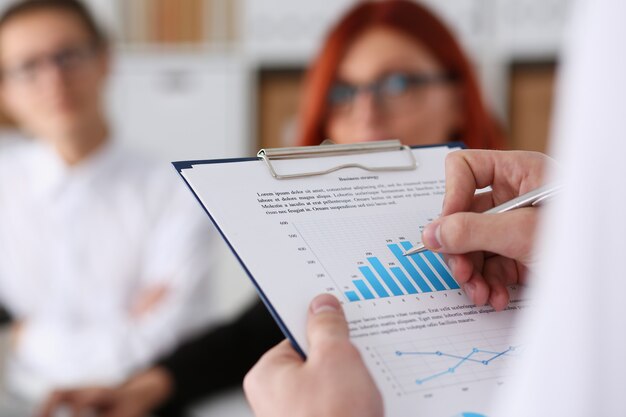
{"x":327,"y":148}
{"x":330,"y":149}
{"x":333,"y":238}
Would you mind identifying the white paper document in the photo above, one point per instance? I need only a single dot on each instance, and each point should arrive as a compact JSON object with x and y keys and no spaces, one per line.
{"x":431,"y":352}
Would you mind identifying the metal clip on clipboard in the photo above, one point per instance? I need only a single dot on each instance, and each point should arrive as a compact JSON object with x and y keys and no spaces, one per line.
{"x":328,"y":149}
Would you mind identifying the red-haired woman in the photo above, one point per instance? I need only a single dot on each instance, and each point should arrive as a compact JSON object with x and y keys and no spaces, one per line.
{"x":392,"y":69}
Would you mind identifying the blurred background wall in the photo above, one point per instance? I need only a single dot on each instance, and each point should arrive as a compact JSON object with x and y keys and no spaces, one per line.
{"x":212,"y":78}
{"x":219,"y":78}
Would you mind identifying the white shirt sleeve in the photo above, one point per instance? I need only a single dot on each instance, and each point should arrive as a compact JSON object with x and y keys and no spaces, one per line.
{"x":178,"y":255}
{"x":575,"y":338}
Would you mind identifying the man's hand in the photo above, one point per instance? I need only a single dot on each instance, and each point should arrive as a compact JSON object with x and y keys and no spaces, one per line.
{"x":137,"y":398}
{"x":332,"y":382}
{"x":487,"y":252}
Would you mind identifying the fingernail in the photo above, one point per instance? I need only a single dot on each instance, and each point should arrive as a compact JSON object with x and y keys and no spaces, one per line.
{"x":469,"y":288}
{"x":431,"y":236}
{"x":451,"y":262}
{"x":324,"y":303}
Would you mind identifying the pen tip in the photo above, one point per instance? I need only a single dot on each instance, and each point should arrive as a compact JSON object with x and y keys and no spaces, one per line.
{"x":417,"y":249}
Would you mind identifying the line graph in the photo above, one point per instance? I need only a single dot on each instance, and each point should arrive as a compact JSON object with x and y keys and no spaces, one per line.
{"x":462,"y":360}
{"x":444,"y":361}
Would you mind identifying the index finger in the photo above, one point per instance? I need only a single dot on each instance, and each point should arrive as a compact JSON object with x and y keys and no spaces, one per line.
{"x":509,"y":173}
{"x":466,"y":171}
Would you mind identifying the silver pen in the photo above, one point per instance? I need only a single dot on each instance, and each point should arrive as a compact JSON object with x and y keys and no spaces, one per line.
{"x":532,"y":198}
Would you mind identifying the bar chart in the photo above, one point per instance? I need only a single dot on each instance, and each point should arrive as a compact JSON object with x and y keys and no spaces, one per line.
{"x":420,"y":273}
{"x":365,"y":257}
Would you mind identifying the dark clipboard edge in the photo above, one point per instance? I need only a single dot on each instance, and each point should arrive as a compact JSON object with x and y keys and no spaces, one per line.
{"x":182,"y":165}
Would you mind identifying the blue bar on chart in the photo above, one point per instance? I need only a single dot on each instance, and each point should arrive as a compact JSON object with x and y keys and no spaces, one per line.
{"x":362,"y":287}
{"x":403,"y":280}
{"x":425,"y":272}
{"x":437,"y":262}
{"x":373,"y":281}
{"x":414,"y":274}
{"x":423,"y":266}
{"x":387,"y":279}
{"x":352,"y":296}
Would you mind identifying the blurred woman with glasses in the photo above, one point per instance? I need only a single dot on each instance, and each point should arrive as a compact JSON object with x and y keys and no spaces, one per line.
{"x":393,"y":70}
